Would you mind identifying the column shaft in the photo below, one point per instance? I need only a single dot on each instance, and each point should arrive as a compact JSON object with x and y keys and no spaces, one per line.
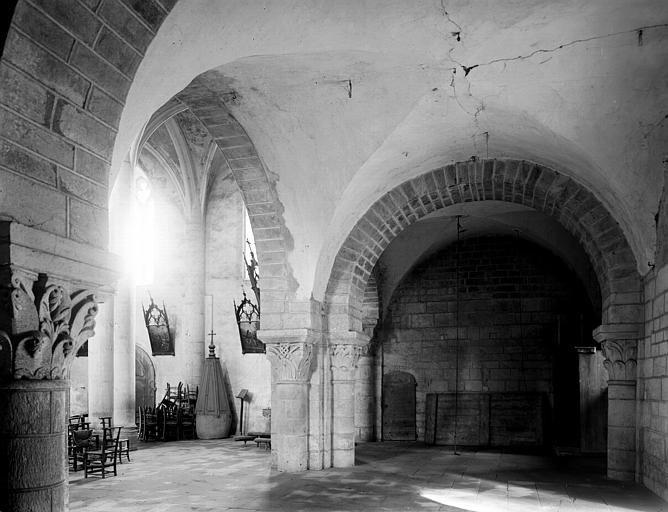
{"x":101,"y":364}
{"x":124,"y":359}
{"x":289,"y":426}
{"x":364,"y":399}
{"x":343,"y":424}
{"x":621,"y":430}
{"x":33,"y":444}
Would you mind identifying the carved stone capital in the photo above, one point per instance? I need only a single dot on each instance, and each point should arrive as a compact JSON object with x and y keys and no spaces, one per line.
{"x":343,"y":358}
{"x":291,"y":362}
{"x":53,"y":325}
{"x":620,"y":358}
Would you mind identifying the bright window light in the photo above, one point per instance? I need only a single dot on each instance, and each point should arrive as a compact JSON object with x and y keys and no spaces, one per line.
{"x":141,"y":228}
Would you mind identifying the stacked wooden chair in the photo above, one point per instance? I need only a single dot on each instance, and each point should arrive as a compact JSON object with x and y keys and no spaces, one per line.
{"x":173,"y":418}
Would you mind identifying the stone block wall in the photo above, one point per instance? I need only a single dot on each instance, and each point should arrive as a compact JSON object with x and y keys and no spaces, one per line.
{"x":65,"y":71}
{"x":519,"y":319}
{"x":652,"y":387}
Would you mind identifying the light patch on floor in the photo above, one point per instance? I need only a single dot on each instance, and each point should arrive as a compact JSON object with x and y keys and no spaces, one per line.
{"x":222,"y":475}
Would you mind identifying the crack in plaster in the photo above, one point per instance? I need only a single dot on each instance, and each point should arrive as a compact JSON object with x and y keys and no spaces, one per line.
{"x":638,"y":30}
{"x":467,"y":69}
{"x":457,"y":34}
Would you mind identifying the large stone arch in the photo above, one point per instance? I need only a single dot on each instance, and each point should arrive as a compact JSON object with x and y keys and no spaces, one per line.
{"x":545,"y":190}
{"x":518,"y":181}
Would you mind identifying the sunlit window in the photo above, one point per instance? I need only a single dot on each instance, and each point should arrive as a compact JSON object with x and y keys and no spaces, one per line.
{"x":249,"y":245}
{"x":142,"y":227}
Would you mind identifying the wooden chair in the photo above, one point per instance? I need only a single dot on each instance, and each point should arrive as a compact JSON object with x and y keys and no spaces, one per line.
{"x":123,"y":444}
{"x":185,"y":424}
{"x":98,"y":461}
{"x":168,"y":423}
{"x":79,"y":441}
{"x":149,"y":424}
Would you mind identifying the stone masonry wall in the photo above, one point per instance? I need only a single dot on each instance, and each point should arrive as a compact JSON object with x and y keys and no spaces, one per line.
{"x":66,"y":68}
{"x":517,"y":302}
{"x":652,"y":388}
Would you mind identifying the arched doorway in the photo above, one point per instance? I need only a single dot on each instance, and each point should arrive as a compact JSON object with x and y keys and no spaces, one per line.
{"x":144,"y":379}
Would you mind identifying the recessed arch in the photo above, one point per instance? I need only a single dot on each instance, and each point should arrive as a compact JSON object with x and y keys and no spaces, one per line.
{"x":265,"y":211}
{"x":577,"y":209}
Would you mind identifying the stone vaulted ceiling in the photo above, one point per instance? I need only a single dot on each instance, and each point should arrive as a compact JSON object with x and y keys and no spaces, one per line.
{"x":345,"y":100}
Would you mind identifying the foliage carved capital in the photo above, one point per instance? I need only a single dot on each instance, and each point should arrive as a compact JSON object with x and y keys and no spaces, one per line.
{"x":291,"y":362}
{"x":44,"y":347}
{"x":620,"y":358}
{"x":344,"y":358}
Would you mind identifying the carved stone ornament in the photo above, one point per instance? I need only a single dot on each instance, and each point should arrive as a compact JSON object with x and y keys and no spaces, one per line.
{"x":291,"y":361}
{"x":344,"y":358}
{"x":61,"y":324}
{"x":620,"y":359}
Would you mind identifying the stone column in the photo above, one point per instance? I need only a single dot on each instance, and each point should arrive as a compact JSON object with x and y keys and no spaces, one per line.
{"x":343,"y":359}
{"x":124,"y":379}
{"x":43,"y":326}
{"x":101,"y":364}
{"x":291,"y":368}
{"x":365,"y":402}
{"x":620,"y":361}
{"x":123,"y":315}
{"x":193,"y":303}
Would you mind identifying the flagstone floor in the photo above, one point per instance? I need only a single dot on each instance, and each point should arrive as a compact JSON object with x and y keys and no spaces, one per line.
{"x":223,"y":475}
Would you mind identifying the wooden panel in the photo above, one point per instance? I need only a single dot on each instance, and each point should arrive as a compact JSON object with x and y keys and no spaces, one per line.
{"x":516,"y":419}
{"x":470,"y":412}
{"x":399,"y":407}
{"x":484,"y":419}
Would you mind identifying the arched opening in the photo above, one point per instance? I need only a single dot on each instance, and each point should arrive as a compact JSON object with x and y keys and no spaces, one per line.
{"x":145,"y":387}
{"x":489,"y":326}
{"x":541,"y":210}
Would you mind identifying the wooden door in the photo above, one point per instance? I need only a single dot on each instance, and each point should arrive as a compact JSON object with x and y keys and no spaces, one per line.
{"x":144,"y":379}
{"x":399,"y":407}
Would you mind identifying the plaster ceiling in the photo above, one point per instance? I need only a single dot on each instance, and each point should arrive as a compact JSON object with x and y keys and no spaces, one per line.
{"x":344,"y":100}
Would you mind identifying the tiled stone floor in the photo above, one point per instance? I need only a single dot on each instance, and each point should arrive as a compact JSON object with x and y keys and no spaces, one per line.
{"x":223,"y":475}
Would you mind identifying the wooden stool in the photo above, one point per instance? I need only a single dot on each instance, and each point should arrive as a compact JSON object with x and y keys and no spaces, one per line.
{"x":265,"y":442}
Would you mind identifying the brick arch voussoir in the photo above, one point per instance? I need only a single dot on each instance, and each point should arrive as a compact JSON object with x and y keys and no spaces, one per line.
{"x":259,"y":194}
{"x":576,"y":208}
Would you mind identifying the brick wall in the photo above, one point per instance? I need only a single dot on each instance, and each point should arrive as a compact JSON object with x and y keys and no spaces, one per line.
{"x":519,"y":319}
{"x":66,"y":68}
{"x":652,"y":386}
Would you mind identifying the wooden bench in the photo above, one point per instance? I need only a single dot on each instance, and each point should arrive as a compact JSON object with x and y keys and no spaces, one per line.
{"x":245,"y":439}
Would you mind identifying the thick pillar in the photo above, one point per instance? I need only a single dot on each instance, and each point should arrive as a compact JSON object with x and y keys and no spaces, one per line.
{"x":365,"y":395}
{"x":620,"y":350}
{"x":122,"y":206}
{"x":343,"y":358}
{"x":101,"y":363}
{"x":593,"y":400}
{"x":124,"y":379}
{"x":193,"y":304}
{"x":33,"y":444}
{"x":291,"y":368}
{"x":43,"y":326}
